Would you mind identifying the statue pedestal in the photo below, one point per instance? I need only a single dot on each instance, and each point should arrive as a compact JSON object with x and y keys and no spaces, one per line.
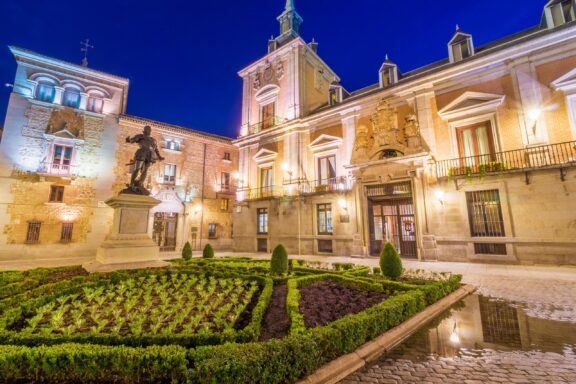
{"x":128,"y":241}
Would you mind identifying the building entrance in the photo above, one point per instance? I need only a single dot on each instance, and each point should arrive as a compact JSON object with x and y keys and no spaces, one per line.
{"x":165,"y":225}
{"x":391,"y":211}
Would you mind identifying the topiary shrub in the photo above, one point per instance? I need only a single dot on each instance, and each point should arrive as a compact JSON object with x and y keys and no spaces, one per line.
{"x":187,"y":251}
{"x":279,"y":263}
{"x":208,"y":252}
{"x":390,"y":262}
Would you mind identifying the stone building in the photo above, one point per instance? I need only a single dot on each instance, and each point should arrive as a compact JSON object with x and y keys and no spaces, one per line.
{"x":64,"y":153}
{"x":467,"y":159}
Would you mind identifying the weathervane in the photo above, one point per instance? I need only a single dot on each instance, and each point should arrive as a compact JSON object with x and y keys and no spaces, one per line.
{"x":85,"y":46}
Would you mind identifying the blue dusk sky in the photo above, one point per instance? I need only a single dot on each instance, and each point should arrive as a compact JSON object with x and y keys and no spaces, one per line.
{"x":182,"y":56}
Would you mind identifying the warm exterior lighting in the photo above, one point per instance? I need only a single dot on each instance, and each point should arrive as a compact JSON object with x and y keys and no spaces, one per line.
{"x":285,"y":167}
{"x":440,"y":196}
{"x":197,"y":208}
{"x":535,"y":114}
{"x":342,"y":204}
{"x":236,"y":175}
{"x":454,"y":337}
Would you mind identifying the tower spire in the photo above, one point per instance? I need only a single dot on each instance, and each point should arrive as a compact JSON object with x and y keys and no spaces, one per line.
{"x":290,"y":22}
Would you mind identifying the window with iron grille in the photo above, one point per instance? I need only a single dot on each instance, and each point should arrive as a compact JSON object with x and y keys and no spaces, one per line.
{"x":33,"y":233}
{"x":227,"y":156}
{"x":66,"y":234}
{"x":325,"y":246}
{"x":56,"y":194}
{"x":224,"y":205}
{"x":485,"y":214}
{"x":490,"y":249}
{"x":262,"y":220}
{"x":212,"y":231}
{"x":325,"y":219}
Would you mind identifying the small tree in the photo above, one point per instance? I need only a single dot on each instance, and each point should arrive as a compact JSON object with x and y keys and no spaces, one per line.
{"x":187,"y":251}
{"x":390,"y":262}
{"x":208,"y":252}
{"x":279,"y":263}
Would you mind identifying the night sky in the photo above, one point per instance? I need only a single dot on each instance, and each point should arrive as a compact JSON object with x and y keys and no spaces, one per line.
{"x":182,"y":57}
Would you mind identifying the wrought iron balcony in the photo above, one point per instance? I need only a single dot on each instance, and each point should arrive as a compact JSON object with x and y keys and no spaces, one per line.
{"x":560,"y":155}
{"x":266,"y":192}
{"x":58,"y":169}
{"x":332,"y":185}
{"x":268,"y":123}
{"x":225,"y":188}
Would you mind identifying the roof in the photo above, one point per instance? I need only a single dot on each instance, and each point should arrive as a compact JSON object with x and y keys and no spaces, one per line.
{"x":18,"y":51}
{"x":177,"y":129}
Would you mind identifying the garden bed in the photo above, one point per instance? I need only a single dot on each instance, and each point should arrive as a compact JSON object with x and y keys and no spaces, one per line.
{"x":199,"y":322}
{"x":326,"y":301}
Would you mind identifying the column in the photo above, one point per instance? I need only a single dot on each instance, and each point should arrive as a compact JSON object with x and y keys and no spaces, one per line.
{"x":83,"y":101}
{"x":58,"y":93}
{"x":423,"y":107}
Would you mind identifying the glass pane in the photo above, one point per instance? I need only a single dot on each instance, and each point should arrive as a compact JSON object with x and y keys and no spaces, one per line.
{"x":557,"y":15}
{"x":57,"y":154}
{"x":467,"y":143}
{"x":332,"y":167}
{"x":378,"y":230}
{"x":483,"y":142}
{"x":457,"y":53}
{"x":329,"y":228}
{"x":321,"y":222}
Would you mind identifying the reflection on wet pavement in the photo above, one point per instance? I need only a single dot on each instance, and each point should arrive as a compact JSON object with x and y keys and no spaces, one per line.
{"x":481,"y":340}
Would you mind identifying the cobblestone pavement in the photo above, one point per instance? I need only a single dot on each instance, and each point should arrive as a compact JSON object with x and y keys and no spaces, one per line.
{"x":491,"y":367}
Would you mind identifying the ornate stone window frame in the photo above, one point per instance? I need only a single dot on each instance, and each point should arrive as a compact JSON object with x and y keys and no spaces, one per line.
{"x":492,"y":118}
{"x":567,"y":84}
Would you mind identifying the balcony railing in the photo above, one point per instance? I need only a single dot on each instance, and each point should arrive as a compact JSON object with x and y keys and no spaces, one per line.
{"x":297,"y":188}
{"x":58,"y":169}
{"x":225,"y":188}
{"x":545,"y":156}
{"x":265,"y":124}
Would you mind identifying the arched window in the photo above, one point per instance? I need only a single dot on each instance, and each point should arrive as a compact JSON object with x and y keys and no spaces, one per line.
{"x":95,"y":103}
{"x":45,"y":91}
{"x":71,"y":98}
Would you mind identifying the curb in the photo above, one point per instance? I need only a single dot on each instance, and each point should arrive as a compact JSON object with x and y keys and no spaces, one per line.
{"x":344,"y":366}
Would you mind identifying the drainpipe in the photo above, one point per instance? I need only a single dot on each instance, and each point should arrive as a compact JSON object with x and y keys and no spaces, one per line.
{"x":202,"y":196}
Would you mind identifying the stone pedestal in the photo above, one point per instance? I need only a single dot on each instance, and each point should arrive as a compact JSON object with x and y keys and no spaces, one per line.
{"x":128,"y":241}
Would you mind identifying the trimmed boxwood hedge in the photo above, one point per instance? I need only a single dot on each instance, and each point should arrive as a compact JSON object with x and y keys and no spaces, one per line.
{"x":274,"y":361}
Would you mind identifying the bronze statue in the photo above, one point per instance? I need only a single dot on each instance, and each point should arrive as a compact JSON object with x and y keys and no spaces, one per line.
{"x":145,"y":156}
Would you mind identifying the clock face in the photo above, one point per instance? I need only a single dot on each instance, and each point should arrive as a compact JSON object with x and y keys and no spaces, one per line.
{"x":268,"y":74}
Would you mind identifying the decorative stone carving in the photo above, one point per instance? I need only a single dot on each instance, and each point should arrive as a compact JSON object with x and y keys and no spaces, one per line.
{"x":362,"y":145}
{"x":411,"y":125}
{"x":280,"y":71}
{"x":257,"y":82}
{"x":66,"y":123}
{"x":385,"y":130}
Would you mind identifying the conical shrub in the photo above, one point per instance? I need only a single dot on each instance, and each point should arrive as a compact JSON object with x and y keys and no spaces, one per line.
{"x":279,"y":263}
{"x":390,"y":262}
{"x":208,"y":252}
{"x":187,"y":251}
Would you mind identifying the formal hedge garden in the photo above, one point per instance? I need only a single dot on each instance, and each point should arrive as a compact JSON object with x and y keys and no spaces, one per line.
{"x":198,"y":321}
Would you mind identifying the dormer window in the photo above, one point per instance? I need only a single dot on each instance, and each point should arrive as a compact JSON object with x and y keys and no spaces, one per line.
{"x":335,"y":94}
{"x":388,"y":73}
{"x":45,"y":92}
{"x":71,"y":98}
{"x":460,"y":46}
{"x":559,"y":12}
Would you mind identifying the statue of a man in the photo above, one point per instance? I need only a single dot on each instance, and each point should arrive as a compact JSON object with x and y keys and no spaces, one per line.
{"x":145,"y":156}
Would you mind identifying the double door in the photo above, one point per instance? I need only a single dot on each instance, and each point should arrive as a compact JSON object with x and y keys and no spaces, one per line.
{"x":164,"y":234}
{"x":393,"y":221}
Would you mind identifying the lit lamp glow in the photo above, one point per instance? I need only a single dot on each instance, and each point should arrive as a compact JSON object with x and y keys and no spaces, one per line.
{"x":534,"y":114}
{"x":342,"y":204}
{"x":440,"y":196}
{"x":454,"y":337}
{"x":236,"y":175}
{"x":197,"y":208}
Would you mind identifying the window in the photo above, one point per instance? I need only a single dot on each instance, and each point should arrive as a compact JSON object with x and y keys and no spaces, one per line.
{"x":62,"y":159}
{"x":33,"y":233}
{"x":485,"y":214}
{"x":266,"y":181}
{"x":325,"y":246}
{"x":56,"y":194}
{"x":268,"y":113}
{"x":262,"y":221}
{"x":227,"y":156}
{"x":225,"y":181}
{"x":45,"y":92}
{"x":172,"y":145}
{"x":327,"y":170}
{"x":461,"y":50}
{"x":387,"y":75}
{"x":224,"y":205}
{"x":212,"y":231}
{"x":490,"y":249}
{"x":66,"y":234}
{"x":475,"y":143}
{"x":334,"y":97}
{"x":325,"y":219}
{"x":562,"y":12}
{"x":95,"y":104}
{"x":169,"y":173}
{"x":71,"y":98}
